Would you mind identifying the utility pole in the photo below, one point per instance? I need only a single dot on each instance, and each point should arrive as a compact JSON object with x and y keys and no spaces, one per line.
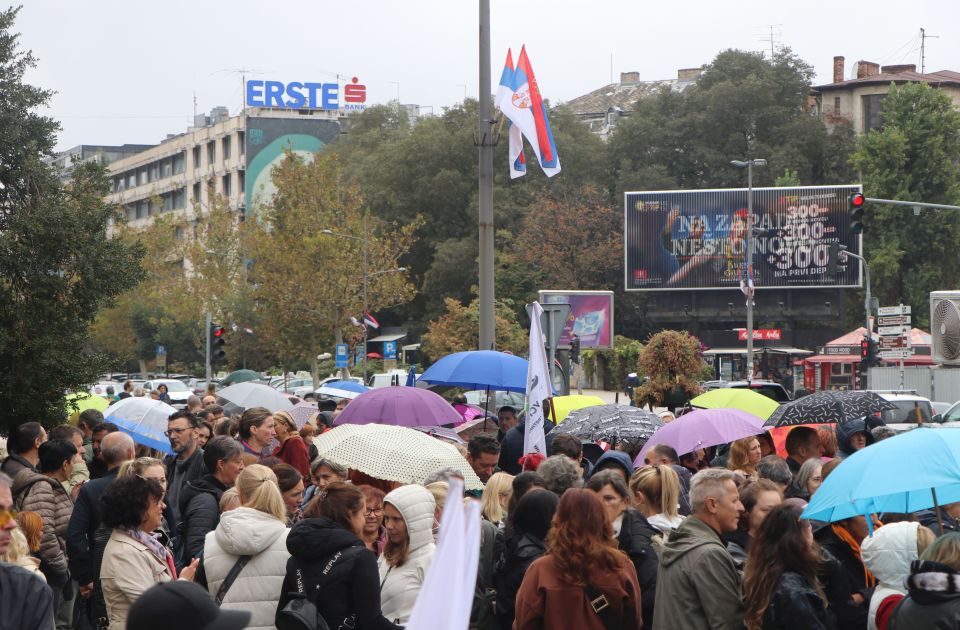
{"x":209,"y":369}
{"x":923,"y":49}
{"x":485,"y":142}
{"x":749,"y":164}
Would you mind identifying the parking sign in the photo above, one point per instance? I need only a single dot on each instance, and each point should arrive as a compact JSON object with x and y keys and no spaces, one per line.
{"x":342,"y":355}
{"x":389,"y":349}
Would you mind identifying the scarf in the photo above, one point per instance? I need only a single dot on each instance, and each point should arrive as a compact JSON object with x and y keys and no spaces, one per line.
{"x":160,"y":552}
{"x":851,"y":542}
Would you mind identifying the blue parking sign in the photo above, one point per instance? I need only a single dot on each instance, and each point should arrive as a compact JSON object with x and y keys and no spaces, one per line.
{"x":342,"y":355}
{"x":389,"y":349}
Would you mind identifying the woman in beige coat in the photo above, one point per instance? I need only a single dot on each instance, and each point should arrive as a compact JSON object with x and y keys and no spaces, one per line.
{"x":134,"y":560}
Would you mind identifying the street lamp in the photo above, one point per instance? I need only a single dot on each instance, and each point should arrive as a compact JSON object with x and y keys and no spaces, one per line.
{"x":366,"y":276}
{"x":749,"y":164}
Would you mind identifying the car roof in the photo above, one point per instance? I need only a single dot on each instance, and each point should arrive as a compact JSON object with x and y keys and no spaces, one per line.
{"x":892,"y":397}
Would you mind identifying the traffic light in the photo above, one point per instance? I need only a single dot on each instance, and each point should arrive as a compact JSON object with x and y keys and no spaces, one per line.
{"x":868,"y":352}
{"x":575,"y":349}
{"x":217,"y":342}
{"x":857,"y":203}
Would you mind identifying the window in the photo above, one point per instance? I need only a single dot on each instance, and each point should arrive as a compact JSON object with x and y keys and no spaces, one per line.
{"x":227,"y":180}
{"x":225,"y":148}
{"x":211,"y":152}
{"x":836,"y":105}
{"x":166,"y":167}
{"x":196,"y":157}
{"x":872,"y":111}
{"x":178,"y":233}
{"x":179,"y":163}
{"x":240,"y":144}
{"x":143,"y":209}
{"x":153,"y":172}
{"x":241,"y":181}
{"x":196,"y":192}
{"x":168,"y":202}
{"x":131,"y":179}
{"x":179,"y":198}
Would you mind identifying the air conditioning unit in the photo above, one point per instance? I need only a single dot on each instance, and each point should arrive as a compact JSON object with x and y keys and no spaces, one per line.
{"x":945,"y":326}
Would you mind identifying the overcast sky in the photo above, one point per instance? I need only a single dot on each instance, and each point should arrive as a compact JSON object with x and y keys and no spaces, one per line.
{"x":127,"y":71}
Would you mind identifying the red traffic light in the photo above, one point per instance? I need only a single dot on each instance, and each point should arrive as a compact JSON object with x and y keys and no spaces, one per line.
{"x":857,"y":200}
{"x":864,"y":348}
{"x":217,"y":331}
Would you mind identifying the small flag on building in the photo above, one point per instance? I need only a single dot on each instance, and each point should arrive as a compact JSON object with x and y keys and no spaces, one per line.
{"x":368,"y":320}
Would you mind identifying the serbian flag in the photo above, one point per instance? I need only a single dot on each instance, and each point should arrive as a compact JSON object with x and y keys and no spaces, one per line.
{"x":518,"y":97}
{"x":368,"y":320}
{"x":518,"y":163}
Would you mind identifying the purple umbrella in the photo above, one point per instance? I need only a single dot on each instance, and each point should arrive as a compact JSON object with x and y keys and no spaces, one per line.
{"x":302,"y":412}
{"x":703,"y":428}
{"x":401,"y":406}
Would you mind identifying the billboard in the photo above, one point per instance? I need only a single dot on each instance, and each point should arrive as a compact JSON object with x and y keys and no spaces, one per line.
{"x":591,"y":317}
{"x":696,"y":239}
{"x":266,"y":140}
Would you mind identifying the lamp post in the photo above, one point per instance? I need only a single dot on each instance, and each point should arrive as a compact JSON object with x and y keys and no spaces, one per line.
{"x":749,"y":164}
{"x":366,"y":276}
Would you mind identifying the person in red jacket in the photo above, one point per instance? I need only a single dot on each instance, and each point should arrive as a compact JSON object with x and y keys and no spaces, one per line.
{"x":583,"y":581}
{"x":292,"y":449}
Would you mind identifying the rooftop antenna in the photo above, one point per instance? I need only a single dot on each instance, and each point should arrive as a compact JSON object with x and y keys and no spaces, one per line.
{"x":772,"y":38}
{"x":243,"y":72}
{"x":923,"y":49}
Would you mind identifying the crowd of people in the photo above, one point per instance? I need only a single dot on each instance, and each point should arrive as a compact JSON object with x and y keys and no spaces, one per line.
{"x":245,"y":524}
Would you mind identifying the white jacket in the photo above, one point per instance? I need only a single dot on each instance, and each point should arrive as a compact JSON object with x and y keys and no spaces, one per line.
{"x":399,"y":586}
{"x":248,"y":532}
{"x":888,"y":554}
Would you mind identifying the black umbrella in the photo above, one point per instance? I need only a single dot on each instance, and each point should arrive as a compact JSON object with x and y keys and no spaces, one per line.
{"x":610,"y":423}
{"x":828,"y":406}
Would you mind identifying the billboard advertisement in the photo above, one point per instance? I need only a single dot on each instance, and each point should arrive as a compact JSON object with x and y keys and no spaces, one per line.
{"x":266,"y":140}
{"x":591,"y":317}
{"x":696,"y":239}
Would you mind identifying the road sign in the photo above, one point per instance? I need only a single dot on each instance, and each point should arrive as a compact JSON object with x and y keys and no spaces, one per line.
{"x":893,"y":320}
{"x":557,"y":314}
{"x":389,"y":349}
{"x":900,"y":309}
{"x":161,"y":363}
{"x":893,"y":331}
{"x":342,"y":355}
{"x":892,"y":342}
{"x":161,"y":350}
{"x":898,"y":353}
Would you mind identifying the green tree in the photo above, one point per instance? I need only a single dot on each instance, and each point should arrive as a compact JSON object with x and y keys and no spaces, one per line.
{"x":913,"y":157}
{"x":57,"y":266}
{"x":457,"y":330}
{"x":673,"y":361}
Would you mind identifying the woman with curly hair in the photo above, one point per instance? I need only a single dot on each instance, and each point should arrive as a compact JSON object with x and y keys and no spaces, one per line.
{"x":583,"y":581}
{"x":134,"y":560}
{"x":745,"y":454}
{"x":780,"y":587}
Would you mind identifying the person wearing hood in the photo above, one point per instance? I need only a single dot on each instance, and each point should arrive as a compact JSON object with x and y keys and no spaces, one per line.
{"x":617,"y":461}
{"x":698,"y":585}
{"x":853,"y":436}
{"x":255,"y":530}
{"x":329,"y":560}
{"x":531,"y":523}
{"x":634,"y":535}
{"x":949,"y":520}
{"x":888,"y":554}
{"x":200,"y":499}
{"x":408,"y":514}
{"x":933,"y":599}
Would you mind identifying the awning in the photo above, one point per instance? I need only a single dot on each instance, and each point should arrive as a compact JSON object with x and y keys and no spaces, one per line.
{"x":834,"y":358}
{"x":756,"y":350}
{"x":387,"y":337}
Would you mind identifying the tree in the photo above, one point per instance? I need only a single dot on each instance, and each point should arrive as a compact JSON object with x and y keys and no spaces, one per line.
{"x":458,"y":330}
{"x":673,"y":361}
{"x":913,"y":157}
{"x":307,"y":283}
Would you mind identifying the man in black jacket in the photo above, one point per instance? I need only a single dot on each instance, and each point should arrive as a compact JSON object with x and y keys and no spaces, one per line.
{"x":511,"y":448}
{"x":24,"y":447}
{"x":200,"y":500}
{"x":186,"y":464}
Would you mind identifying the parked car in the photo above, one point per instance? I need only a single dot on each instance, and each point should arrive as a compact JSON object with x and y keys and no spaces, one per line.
{"x":769,"y":389}
{"x":386,"y":379}
{"x":177,"y":390}
{"x":950,"y":418}
{"x":911,"y":411}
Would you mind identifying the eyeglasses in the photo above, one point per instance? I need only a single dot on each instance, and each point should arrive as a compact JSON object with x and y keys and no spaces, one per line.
{"x":177,"y":431}
{"x":6,"y":516}
{"x":373,"y":512}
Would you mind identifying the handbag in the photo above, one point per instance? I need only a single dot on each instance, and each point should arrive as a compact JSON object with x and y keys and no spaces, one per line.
{"x":300,"y":613}
{"x":601,"y":606}
{"x":231,"y":578}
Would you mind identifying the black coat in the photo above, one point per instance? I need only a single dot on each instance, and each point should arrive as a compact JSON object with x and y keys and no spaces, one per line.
{"x":199,"y":514}
{"x":519,"y":554}
{"x":353,"y":584}
{"x":928,"y":518}
{"x":193,"y":470}
{"x":635,"y":541}
{"x":511,"y":448}
{"x":25,"y":599}
{"x":84,"y":522}
{"x":841,"y":574}
{"x":796,"y":605}
{"x":933,"y":599}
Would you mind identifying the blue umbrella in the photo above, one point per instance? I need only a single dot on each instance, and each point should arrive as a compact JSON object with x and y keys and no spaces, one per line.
{"x":342,"y":389}
{"x":143,"y":419}
{"x":911,"y":471}
{"x":479,"y":369}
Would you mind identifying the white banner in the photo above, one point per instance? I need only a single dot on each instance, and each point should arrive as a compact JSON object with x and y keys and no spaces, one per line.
{"x":538,"y":387}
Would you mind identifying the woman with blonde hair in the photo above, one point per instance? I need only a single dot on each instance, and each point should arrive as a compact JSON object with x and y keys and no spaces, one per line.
{"x":18,"y":552}
{"x":745,"y":454}
{"x":496,"y":496}
{"x":656,"y":491}
{"x":254,"y":538}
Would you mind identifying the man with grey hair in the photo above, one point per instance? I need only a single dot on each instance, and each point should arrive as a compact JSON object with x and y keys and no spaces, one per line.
{"x":560,"y":473}
{"x":776,"y":469}
{"x":193,"y":403}
{"x":698,"y":586}
{"x":26,"y":601}
{"x":116,"y":448}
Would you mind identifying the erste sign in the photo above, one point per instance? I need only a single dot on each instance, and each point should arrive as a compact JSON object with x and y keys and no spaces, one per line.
{"x":305,"y":95}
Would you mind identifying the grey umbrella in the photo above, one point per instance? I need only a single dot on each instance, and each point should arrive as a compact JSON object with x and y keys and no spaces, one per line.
{"x":611,"y":423}
{"x":828,"y":406}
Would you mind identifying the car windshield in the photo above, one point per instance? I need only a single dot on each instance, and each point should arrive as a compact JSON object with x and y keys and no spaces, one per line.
{"x":174,"y":386}
{"x":952,"y":414}
{"x":907,"y":412}
{"x":774,"y":392}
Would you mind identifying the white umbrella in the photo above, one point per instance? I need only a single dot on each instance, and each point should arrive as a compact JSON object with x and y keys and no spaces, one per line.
{"x":143,"y":419}
{"x":393,"y":453}
{"x":249,"y":394}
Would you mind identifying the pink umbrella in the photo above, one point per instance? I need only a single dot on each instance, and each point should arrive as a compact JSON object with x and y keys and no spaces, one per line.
{"x":401,"y":406}
{"x":302,"y":412}
{"x":703,"y":428}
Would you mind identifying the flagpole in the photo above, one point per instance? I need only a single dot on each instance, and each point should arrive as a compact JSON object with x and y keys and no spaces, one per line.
{"x":365,"y":305}
{"x":485,"y":140}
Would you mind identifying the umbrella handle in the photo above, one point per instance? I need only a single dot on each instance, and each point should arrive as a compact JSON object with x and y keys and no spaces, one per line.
{"x":936,"y":507}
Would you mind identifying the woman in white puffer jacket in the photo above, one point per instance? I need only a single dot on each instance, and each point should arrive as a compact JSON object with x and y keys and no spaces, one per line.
{"x":256,"y":529}
{"x":888,"y":554}
{"x":408,"y":515}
